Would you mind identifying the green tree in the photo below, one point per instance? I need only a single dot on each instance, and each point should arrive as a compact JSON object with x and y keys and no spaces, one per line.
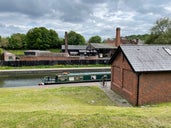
{"x":143,"y":37}
{"x":37,"y":38}
{"x":42,"y":38}
{"x":95,"y":39}
{"x":4,"y":43}
{"x":75,"y":38}
{"x":160,"y":32}
{"x":17,"y":41}
{"x":54,"y":39}
{"x":1,"y":51}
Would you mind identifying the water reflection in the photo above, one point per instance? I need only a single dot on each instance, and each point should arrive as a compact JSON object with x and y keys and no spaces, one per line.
{"x":20,"y":81}
{"x":1,"y":83}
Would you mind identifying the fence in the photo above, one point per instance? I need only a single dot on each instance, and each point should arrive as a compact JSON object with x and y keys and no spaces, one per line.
{"x":53,"y":62}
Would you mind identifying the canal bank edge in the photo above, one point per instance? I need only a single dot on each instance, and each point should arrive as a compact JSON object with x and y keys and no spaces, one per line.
{"x":18,"y":72}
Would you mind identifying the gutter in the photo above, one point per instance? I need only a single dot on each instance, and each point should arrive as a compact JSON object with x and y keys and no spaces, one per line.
{"x":138,"y":89}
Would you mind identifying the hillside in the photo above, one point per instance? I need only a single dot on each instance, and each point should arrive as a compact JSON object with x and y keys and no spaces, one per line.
{"x":75,"y":107}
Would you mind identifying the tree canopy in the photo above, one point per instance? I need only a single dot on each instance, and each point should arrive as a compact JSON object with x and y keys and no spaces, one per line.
{"x":17,"y":41}
{"x":143,"y":37}
{"x":41,"y":38}
{"x":4,"y":42}
{"x":75,"y":38}
{"x":95,"y":39}
{"x":160,"y":32}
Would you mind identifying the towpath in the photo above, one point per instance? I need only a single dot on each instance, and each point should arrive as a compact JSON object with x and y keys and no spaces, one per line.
{"x":12,"y":72}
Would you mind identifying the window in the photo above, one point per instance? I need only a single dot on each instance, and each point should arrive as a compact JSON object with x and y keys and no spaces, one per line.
{"x":10,"y":58}
{"x":71,"y":78}
{"x":93,"y":77}
{"x":168,"y":50}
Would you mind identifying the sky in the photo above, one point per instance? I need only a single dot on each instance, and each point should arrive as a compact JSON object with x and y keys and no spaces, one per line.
{"x":86,"y":17}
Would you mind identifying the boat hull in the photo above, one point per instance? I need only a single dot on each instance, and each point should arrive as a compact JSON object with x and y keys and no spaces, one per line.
{"x":77,"y":78}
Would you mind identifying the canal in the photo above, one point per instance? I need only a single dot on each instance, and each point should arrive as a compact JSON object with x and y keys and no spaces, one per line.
{"x":20,"y":81}
{"x":19,"y":78}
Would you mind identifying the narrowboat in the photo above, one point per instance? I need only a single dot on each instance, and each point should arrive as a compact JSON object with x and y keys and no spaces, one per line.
{"x":76,"y":78}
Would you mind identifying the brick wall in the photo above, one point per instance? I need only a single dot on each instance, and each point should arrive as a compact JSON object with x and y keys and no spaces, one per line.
{"x":123,"y":80}
{"x":7,"y":56}
{"x":39,"y":58}
{"x":155,"y":88}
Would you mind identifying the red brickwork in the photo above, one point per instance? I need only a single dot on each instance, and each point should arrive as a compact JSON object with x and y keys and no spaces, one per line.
{"x":38,"y":58}
{"x":155,"y":88}
{"x":123,"y":80}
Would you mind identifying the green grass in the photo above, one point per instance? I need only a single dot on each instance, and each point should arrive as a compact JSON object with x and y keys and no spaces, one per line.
{"x":75,"y":107}
{"x":17,"y":52}
{"x":55,"y":50}
{"x":53,"y":66}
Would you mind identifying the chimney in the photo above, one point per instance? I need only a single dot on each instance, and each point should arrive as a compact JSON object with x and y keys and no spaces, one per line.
{"x":66,"y":42}
{"x":137,"y":40}
{"x":118,"y":38}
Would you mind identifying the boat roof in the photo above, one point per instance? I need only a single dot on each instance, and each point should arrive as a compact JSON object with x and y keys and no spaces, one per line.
{"x":87,"y":73}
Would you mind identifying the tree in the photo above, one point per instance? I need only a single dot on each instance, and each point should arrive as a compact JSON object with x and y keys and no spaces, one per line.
{"x":143,"y":37}
{"x":37,"y":38}
{"x":95,"y":39}
{"x":4,"y":43}
{"x":75,"y":38}
{"x":1,"y":51}
{"x":42,"y":38}
{"x":160,"y":32}
{"x":54,"y":39}
{"x":161,"y":26}
{"x":17,"y":41}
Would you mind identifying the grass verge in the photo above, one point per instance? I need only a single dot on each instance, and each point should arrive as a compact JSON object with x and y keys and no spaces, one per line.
{"x":53,"y":66}
{"x":75,"y":107}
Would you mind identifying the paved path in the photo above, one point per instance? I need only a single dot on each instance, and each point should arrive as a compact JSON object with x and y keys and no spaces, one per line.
{"x":118,"y":100}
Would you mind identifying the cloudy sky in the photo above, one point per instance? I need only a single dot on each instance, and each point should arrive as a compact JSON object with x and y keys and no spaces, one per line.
{"x":87,"y":17}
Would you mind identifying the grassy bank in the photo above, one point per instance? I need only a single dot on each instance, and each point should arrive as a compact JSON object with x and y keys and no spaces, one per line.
{"x":53,"y":66}
{"x":75,"y":107}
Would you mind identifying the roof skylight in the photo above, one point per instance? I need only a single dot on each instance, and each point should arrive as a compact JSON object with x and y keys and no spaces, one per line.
{"x":168,"y":50}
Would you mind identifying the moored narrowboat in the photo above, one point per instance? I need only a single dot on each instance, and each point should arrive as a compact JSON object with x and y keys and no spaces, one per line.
{"x":77,"y":77}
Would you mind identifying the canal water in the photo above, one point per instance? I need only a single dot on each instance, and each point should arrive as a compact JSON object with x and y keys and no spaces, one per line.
{"x":20,"y":81}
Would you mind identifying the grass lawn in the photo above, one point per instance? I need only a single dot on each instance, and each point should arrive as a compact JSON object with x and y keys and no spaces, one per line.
{"x":75,"y":107}
{"x":17,"y":52}
{"x":53,"y":66}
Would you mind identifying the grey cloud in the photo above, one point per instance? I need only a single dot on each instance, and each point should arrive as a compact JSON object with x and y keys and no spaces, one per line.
{"x":74,"y":12}
{"x":94,"y":1}
{"x":31,"y":8}
{"x":90,"y":17}
{"x":10,"y":29}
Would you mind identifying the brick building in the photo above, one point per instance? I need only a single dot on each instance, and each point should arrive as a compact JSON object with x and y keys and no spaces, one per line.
{"x":75,"y":50}
{"x":7,"y":56}
{"x":101,"y":49}
{"x":142,"y":74}
{"x":122,"y":40}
